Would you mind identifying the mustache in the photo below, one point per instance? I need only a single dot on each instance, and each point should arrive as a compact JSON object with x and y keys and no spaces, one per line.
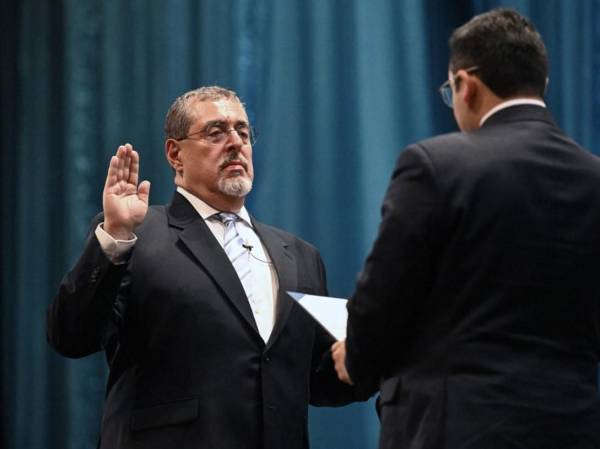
{"x":233,"y":158}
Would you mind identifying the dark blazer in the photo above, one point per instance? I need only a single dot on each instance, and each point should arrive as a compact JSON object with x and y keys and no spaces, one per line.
{"x":479,"y":304}
{"x":188,"y":368}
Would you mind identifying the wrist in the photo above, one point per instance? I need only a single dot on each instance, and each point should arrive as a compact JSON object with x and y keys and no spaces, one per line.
{"x":118,"y":232}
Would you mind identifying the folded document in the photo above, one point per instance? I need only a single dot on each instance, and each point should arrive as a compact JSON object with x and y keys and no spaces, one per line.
{"x":330,"y":312}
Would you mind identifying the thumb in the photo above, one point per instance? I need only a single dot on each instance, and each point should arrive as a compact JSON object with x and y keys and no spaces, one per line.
{"x":144,"y":191}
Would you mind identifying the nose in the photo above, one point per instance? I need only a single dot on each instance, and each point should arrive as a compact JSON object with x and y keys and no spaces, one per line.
{"x":234,"y":136}
{"x":234,"y":142}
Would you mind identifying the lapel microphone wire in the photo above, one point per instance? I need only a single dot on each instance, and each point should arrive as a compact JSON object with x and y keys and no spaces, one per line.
{"x":248,"y":247}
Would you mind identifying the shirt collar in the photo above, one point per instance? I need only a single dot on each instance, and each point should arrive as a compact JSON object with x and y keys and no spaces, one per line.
{"x":206,"y":211}
{"x":508,"y":104}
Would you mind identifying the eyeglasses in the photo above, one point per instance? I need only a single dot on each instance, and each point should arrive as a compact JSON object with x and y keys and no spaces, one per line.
{"x":446,"y":88}
{"x":218,"y":132}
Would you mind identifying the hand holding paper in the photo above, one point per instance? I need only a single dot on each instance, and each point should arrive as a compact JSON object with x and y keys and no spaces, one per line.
{"x":332,"y":314}
{"x":338,"y":352}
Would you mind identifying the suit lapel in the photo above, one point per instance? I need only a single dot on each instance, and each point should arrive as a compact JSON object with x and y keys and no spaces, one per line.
{"x":199,"y":240}
{"x":285,"y":266}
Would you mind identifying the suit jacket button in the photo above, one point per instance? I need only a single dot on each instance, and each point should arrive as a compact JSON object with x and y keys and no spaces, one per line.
{"x":267,"y":359}
{"x":94,"y":275}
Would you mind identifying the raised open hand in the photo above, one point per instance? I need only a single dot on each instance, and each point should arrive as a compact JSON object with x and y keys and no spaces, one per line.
{"x":125,"y":203}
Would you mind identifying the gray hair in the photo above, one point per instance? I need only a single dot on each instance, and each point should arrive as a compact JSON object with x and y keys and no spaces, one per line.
{"x":179,"y":117}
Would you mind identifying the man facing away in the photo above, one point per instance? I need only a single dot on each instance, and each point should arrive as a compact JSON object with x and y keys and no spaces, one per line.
{"x":188,"y":300}
{"x":479,"y":304}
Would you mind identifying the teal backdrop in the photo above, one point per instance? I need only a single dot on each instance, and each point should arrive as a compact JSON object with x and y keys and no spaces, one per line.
{"x":336,"y":89}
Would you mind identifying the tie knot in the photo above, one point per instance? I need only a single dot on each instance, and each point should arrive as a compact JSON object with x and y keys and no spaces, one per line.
{"x":226,"y":217}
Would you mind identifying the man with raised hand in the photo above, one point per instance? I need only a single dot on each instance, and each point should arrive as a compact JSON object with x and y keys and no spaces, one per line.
{"x":188,"y":300}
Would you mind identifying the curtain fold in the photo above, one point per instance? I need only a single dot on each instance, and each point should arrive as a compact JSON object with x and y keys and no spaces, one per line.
{"x":336,"y":89}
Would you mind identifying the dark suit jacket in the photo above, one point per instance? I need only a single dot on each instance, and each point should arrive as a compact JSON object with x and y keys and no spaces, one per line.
{"x":188,"y":368}
{"x":479,"y":303}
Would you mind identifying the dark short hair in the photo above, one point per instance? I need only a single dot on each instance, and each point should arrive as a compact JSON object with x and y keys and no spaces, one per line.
{"x":179,"y":116}
{"x":508,"y":50}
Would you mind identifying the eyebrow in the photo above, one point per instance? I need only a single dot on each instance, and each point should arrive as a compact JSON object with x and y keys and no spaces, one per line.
{"x":221,"y":123}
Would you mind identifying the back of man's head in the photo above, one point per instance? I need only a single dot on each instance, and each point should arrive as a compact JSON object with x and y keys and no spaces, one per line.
{"x":508,"y":51}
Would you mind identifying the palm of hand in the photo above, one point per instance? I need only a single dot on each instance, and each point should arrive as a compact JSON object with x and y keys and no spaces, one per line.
{"x":124,"y":205}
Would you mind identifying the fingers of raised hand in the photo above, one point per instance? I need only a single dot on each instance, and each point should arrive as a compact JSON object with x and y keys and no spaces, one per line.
{"x":121,"y":156}
{"x":144,"y":191}
{"x":112,"y":175}
{"x":134,"y":167}
{"x":123,"y":170}
{"x":131,"y":166}
{"x":124,"y":164}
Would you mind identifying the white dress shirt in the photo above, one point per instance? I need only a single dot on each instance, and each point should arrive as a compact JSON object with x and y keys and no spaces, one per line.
{"x":266,"y":283}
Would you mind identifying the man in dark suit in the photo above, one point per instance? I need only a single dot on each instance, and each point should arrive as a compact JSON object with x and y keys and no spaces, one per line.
{"x":205,"y":348}
{"x":479,"y":304}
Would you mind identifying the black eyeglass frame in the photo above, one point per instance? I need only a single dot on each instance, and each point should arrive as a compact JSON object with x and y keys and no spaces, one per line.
{"x":445,"y":89}
{"x":204,"y":135}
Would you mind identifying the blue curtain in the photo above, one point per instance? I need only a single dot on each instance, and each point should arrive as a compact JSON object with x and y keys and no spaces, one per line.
{"x":335,"y":88}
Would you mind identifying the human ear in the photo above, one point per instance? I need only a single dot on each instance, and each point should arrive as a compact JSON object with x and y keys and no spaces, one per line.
{"x":466,"y":86}
{"x":173,"y":154}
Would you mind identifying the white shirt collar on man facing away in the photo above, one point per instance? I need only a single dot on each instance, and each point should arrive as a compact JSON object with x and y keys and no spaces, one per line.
{"x":508,"y":104}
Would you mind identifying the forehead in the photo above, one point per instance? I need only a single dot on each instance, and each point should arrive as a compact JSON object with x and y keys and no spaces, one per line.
{"x":228,"y":110}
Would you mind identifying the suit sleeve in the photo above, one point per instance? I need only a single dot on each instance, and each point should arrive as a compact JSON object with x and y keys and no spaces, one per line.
{"x":397,"y":273}
{"x":80,"y":315}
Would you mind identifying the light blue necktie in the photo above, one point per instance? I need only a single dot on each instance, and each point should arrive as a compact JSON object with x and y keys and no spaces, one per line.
{"x":238,"y":255}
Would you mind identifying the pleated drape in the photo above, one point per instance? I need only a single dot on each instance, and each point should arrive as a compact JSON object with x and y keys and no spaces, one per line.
{"x":336,"y":89}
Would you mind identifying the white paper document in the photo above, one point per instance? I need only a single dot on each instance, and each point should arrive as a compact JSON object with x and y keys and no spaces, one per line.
{"x":330,"y":312}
